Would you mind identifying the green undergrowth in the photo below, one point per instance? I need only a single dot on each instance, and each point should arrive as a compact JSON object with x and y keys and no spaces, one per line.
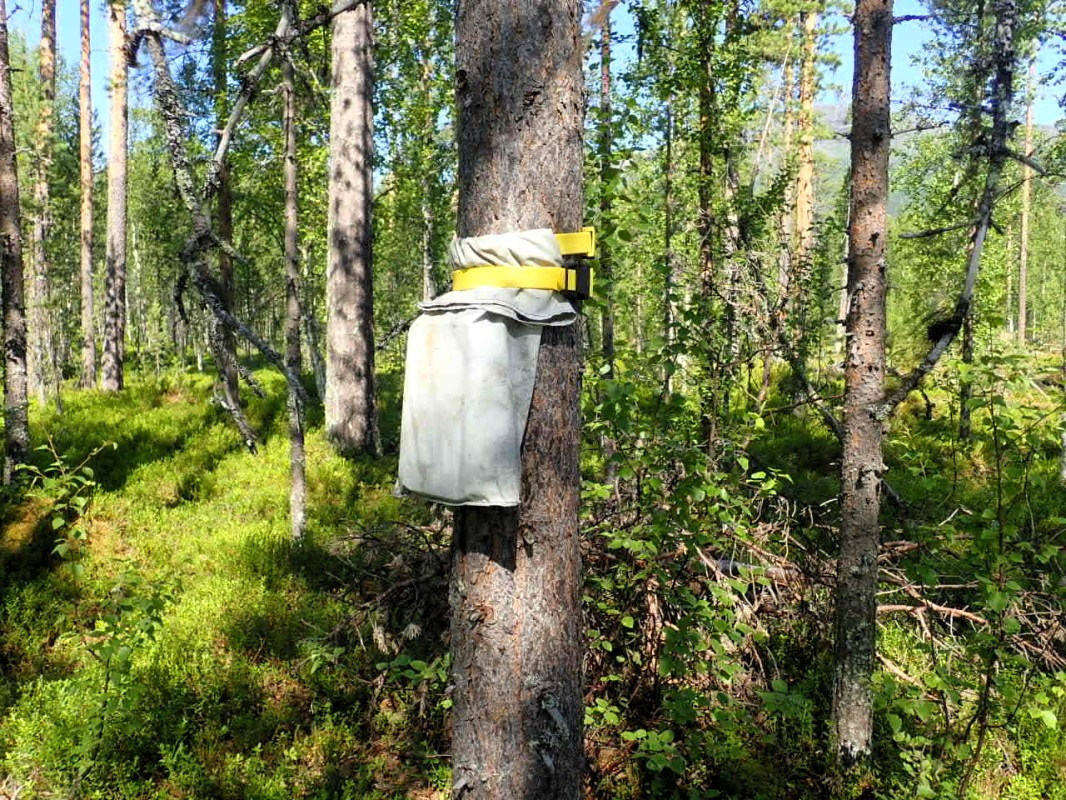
{"x":197,"y":652}
{"x":162,"y":637}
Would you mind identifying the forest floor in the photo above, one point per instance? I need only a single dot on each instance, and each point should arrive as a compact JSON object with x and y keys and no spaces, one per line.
{"x":161,"y":635}
{"x":186,"y":647}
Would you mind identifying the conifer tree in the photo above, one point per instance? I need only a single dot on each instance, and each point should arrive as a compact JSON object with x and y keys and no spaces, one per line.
{"x":516,"y":573}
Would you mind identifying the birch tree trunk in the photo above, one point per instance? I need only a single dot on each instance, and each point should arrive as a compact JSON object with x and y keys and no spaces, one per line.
{"x":115,"y":275}
{"x":1027,"y":188}
{"x":85,"y":141}
{"x":516,"y":577}
{"x":298,"y":487}
{"x":224,"y":204}
{"x":16,"y":423}
{"x":864,"y":377}
{"x":351,"y":418}
{"x":706,"y":23}
{"x":40,"y":330}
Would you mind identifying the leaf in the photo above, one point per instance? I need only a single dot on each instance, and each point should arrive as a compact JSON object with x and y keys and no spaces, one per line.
{"x":1047,"y":716}
{"x":997,"y":601}
{"x":627,"y":621}
{"x":57,"y":523}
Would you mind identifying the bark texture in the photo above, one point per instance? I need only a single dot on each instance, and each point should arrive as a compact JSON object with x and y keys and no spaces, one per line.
{"x":1027,"y":189}
{"x":42,"y":347}
{"x":16,"y":424}
{"x":297,"y":459}
{"x":85,"y":142}
{"x":864,"y":380}
{"x":606,"y":157}
{"x":351,"y":417}
{"x":224,"y":204}
{"x":516,"y":577}
{"x":804,"y":226}
{"x":112,"y":379}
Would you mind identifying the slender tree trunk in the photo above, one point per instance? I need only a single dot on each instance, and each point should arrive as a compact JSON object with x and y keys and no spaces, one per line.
{"x":1062,"y":356}
{"x":85,"y":141}
{"x":1009,"y":310}
{"x":966,"y":390}
{"x":429,"y":285}
{"x":706,"y":224}
{"x":16,"y":422}
{"x":670,"y":285}
{"x":351,"y":418}
{"x":42,"y":346}
{"x":1027,"y":188}
{"x":606,"y":265}
{"x":864,"y":376}
{"x":429,"y":133}
{"x":804,"y":227}
{"x":224,"y":204}
{"x":606,"y":137}
{"x":516,"y":578}
{"x":788,"y":209}
{"x":115,"y":275}
{"x":298,"y":489}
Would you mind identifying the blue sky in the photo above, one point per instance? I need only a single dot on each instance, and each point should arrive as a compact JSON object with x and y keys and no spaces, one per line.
{"x":909,"y":40}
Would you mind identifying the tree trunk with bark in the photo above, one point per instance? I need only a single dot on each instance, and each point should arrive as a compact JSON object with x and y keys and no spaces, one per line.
{"x":966,"y":388}
{"x":804,"y":225}
{"x":298,"y":487}
{"x":85,"y":141}
{"x":706,"y":23}
{"x":606,"y":144}
{"x":115,"y":275}
{"x":351,"y":417}
{"x":16,"y":421}
{"x":864,"y":378}
{"x":42,"y":346}
{"x":516,"y":578}
{"x":1027,"y":188}
{"x":224,"y":203}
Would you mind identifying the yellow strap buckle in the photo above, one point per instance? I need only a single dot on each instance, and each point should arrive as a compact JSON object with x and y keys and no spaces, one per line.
{"x":581,"y":244}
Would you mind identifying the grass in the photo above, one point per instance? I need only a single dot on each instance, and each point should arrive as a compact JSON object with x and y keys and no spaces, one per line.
{"x":227,"y":623}
{"x":200,"y":653}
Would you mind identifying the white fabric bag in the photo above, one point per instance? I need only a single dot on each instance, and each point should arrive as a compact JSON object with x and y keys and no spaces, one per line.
{"x":470,"y":370}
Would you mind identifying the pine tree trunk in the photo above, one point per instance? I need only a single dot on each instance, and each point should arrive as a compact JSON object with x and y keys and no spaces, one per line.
{"x":351,"y":418}
{"x":224,"y":205}
{"x":298,"y":488}
{"x":864,"y":375}
{"x":516,"y":579}
{"x":788,"y":207}
{"x":115,"y":275}
{"x":42,"y":346}
{"x":85,"y":141}
{"x":16,"y":422}
{"x":1027,"y":188}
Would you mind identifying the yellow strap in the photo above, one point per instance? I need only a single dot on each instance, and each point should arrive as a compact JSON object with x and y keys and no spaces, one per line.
{"x":581,"y":244}
{"x":557,"y":279}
